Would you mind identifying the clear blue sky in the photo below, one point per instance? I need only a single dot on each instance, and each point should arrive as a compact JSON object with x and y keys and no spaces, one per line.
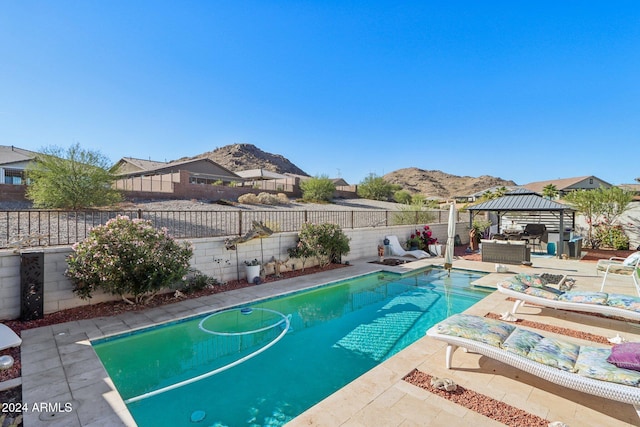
{"x":526,"y":91}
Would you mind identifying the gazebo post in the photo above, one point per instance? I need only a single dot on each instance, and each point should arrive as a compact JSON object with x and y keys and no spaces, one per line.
{"x":561,"y":239}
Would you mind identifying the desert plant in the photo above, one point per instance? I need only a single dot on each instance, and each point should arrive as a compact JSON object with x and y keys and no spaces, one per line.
{"x":602,"y":205}
{"x":326,"y":241}
{"x":402,"y":196}
{"x":71,"y":179}
{"x":248,"y":199}
{"x":301,"y":251}
{"x":412,"y":214}
{"x":317,"y":189}
{"x":376,"y":188}
{"x":283,"y":199}
{"x":268,"y":199}
{"x":609,"y":236}
{"x":196,"y":281}
{"x":127,"y":257}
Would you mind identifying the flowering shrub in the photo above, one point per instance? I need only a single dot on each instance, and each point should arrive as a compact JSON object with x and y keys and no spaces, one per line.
{"x":423,"y":238}
{"x":325,"y":241}
{"x":127,"y":257}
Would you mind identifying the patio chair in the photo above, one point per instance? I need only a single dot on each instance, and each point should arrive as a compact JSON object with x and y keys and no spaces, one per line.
{"x":582,"y":368}
{"x":620,"y":267}
{"x":397,"y":250}
{"x":529,"y":288}
{"x":8,"y":338}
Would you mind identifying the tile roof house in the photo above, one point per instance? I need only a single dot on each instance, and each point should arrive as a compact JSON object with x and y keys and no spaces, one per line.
{"x":566,"y":185}
{"x":201,"y":170}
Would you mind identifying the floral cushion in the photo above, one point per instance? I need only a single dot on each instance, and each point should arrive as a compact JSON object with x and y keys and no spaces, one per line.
{"x":488,"y":331}
{"x":521,"y":341}
{"x":592,"y":362}
{"x":556,"y":353}
{"x":627,"y":302}
{"x":530,"y":280}
{"x":599,"y":298}
{"x":626,"y":355}
{"x":514,"y":286}
{"x":545,"y":292}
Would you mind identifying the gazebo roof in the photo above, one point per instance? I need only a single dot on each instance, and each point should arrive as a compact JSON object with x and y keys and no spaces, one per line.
{"x":520,"y":200}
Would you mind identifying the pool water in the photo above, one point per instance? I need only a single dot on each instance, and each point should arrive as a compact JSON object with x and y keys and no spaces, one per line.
{"x":276,"y":358}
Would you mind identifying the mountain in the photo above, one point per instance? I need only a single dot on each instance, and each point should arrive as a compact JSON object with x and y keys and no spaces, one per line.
{"x":237,"y":157}
{"x":439,"y":184}
{"x":431,"y":183}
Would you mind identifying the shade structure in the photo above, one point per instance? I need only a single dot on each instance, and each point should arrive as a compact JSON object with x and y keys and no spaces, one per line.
{"x":451,"y":236}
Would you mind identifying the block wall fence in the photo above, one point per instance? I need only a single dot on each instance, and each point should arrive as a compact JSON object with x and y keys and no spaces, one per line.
{"x":209,"y":256}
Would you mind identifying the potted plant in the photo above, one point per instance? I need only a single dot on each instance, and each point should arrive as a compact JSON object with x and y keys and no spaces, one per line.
{"x":414,"y":242}
{"x":252,"y":268}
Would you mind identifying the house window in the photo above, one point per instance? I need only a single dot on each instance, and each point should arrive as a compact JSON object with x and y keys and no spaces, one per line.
{"x":591,"y":181}
{"x":13,"y":176}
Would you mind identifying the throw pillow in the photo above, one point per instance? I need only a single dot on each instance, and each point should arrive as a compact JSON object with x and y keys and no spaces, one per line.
{"x":626,"y":355}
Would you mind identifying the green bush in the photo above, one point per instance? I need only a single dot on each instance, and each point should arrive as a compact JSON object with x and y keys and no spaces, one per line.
{"x":317,"y":189}
{"x":196,"y":281}
{"x":376,"y":188}
{"x":127,"y":257}
{"x":402,"y":196}
{"x":611,"y":237}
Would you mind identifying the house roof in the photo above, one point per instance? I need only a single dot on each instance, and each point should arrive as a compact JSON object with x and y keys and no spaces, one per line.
{"x":561,"y":184}
{"x":518,"y":201}
{"x":201,"y":166}
{"x":141,"y":164}
{"x":260,"y":174}
{"x":10,"y":154}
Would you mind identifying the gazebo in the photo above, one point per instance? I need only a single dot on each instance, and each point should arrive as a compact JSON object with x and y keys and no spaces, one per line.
{"x":527,"y":202}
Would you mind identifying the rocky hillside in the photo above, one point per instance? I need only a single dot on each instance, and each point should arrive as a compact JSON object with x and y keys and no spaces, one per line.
{"x":440,"y":184}
{"x":238,"y":157}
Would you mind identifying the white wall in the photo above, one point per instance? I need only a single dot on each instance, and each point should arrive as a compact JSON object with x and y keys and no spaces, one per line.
{"x":58,"y":294}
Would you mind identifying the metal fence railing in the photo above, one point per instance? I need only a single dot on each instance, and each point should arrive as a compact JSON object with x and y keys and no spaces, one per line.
{"x":52,"y":227}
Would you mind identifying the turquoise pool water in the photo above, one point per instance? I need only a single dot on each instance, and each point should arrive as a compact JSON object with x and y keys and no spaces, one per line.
{"x":276,"y":358}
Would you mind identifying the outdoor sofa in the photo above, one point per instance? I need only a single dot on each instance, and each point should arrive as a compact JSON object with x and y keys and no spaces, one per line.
{"x":532,"y":288}
{"x":590,"y":370}
{"x":505,"y":251}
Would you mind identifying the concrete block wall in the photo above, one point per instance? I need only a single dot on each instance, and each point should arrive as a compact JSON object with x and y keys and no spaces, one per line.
{"x":209,"y":256}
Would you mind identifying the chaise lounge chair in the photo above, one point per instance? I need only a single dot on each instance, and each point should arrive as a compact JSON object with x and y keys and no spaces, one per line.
{"x":530,"y":288}
{"x":621,"y":267}
{"x":582,"y":368}
{"x":396,"y":249}
{"x":8,"y":338}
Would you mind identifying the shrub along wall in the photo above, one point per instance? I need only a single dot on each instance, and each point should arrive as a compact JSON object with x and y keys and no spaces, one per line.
{"x":209,"y":256}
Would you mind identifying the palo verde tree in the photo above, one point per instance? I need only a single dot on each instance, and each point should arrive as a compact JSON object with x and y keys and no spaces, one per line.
{"x":71,"y":179}
{"x":317,"y":189}
{"x":376,"y":188}
{"x":601,"y":207}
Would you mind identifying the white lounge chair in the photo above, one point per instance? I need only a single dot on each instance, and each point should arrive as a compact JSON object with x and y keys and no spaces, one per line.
{"x":508,"y":344}
{"x":8,"y":338}
{"x":397,"y":250}
{"x":621,"y":267}
{"x":521,"y":288}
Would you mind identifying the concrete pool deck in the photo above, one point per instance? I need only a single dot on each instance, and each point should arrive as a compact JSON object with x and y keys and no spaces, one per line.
{"x":59,"y":366}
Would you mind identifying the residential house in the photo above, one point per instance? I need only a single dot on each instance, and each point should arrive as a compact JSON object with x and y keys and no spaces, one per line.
{"x":13,"y":162}
{"x":567,"y":185}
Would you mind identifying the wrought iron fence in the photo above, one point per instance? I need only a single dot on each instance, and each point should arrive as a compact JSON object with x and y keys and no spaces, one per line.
{"x":53,"y":227}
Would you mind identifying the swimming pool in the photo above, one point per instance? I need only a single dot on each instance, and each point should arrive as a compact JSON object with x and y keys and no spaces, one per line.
{"x":275,"y":358}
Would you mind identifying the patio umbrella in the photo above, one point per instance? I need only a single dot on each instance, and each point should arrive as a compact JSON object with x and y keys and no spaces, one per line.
{"x":451,"y":234}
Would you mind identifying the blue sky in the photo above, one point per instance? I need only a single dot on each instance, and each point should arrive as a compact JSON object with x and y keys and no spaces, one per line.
{"x":526,"y":91}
